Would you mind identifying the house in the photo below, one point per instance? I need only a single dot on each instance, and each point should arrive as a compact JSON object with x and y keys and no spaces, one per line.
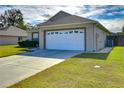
{"x":64,"y":31}
{"x":11,"y":35}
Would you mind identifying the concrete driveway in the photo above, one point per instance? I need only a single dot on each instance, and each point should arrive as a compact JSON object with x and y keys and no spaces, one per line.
{"x":18,"y":67}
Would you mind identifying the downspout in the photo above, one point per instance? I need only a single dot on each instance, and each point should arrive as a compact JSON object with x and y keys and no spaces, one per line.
{"x":93,"y":38}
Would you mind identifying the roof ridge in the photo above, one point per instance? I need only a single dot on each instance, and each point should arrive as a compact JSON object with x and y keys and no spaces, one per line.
{"x":62,"y":15}
{"x":60,"y":12}
{"x":84,"y":18}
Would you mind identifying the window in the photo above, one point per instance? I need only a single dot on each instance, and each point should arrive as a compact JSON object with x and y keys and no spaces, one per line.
{"x":70,"y":32}
{"x":81,"y":32}
{"x":35,"y":36}
{"x":56,"y":32}
{"x":52,"y":33}
{"x":66,"y":32}
{"x":76,"y":31}
{"x":19,"y":38}
{"x":60,"y":33}
{"x":48,"y":33}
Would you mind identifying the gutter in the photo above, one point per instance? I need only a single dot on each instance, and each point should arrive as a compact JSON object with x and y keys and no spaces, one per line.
{"x":102,"y":27}
{"x":68,"y":24}
{"x":93,"y":37}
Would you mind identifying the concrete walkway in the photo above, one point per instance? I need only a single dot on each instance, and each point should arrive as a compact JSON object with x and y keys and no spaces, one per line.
{"x":105,"y":50}
{"x":18,"y":67}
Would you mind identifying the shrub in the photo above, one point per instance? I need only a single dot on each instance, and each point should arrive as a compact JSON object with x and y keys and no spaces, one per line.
{"x":28,"y":43}
{"x":116,"y":42}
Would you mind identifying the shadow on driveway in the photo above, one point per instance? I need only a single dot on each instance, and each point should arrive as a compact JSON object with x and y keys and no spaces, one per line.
{"x":58,"y":54}
{"x":101,"y":56}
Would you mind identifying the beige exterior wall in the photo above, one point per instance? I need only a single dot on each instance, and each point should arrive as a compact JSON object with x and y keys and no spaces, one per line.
{"x":10,"y":35}
{"x":29,"y":36}
{"x":41,"y":39}
{"x":8,"y":40}
{"x":91,"y":31}
{"x":89,"y":34}
{"x":99,"y":41}
{"x":89,"y":38}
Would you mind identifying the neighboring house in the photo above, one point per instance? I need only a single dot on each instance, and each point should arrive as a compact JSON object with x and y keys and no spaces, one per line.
{"x":115,"y":39}
{"x":12,"y":35}
{"x":70,"y":32}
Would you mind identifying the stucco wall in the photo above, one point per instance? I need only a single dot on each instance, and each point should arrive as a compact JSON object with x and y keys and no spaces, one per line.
{"x":89,"y":38}
{"x":29,"y":36}
{"x":101,"y":38}
{"x":41,"y":39}
{"x":8,"y":40}
{"x":91,"y":31}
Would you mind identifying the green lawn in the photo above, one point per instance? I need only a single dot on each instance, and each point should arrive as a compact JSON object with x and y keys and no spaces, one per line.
{"x":79,"y":72}
{"x":7,"y":50}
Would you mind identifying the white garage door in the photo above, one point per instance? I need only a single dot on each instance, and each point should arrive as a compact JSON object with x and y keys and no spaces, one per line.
{"x":65,"y":39}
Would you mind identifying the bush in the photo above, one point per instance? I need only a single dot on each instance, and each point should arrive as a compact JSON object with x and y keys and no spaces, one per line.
{"x":28,"y":43}
{"x":116,"y":42}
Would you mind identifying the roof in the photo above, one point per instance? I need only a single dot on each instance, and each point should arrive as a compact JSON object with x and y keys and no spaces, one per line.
{"x":66,"y":18}
{"x":13,"y":31}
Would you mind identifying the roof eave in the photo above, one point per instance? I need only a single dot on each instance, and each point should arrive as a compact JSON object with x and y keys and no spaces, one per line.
{"x":67,"y":24}
{"x":102,"y":27}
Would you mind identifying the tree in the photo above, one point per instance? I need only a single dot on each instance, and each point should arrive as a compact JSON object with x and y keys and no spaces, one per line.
{"x":12,"y":17}
{"x":22,"y":25}
{"x":123,"y":29}
{"x":2,"y":21}
{"x":29,"y":26}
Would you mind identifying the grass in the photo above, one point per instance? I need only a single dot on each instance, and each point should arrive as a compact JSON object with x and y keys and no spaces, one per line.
{"x":7,"y":50}
{"x":79,"y":72}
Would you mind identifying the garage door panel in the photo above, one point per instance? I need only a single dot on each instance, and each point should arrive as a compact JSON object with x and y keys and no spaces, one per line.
{"x":65,"y":40}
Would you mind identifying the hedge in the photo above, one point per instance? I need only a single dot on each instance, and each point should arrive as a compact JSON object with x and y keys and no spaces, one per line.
{"x":28,"y":43}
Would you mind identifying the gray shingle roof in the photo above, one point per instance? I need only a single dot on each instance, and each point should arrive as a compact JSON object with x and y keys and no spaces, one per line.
{"x":65,"y":18}
{"x":13,"y":31}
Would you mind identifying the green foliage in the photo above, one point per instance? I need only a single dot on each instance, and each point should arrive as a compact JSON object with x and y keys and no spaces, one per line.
{"x":22,"y":25}
{"x":28,"y":43}
{"x":116,"y":42}
{"x":12,"y":17}
{"x":7,"y":50}
{"x":123,"y":29}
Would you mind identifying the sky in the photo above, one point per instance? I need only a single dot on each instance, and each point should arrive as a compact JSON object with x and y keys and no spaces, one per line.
{"x":110,"y":16}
